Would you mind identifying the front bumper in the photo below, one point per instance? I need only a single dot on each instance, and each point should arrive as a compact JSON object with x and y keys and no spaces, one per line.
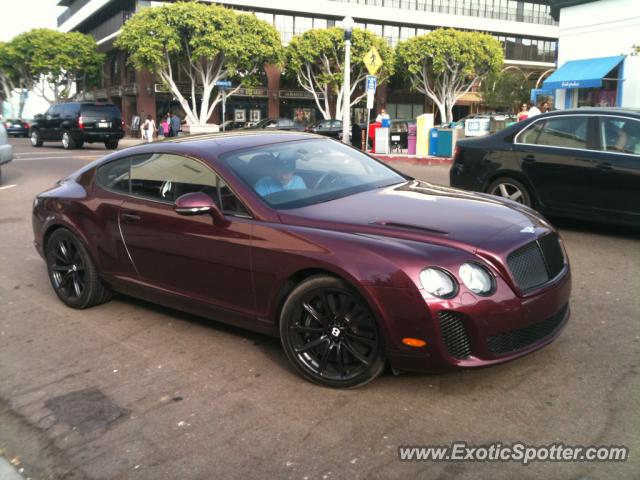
{"x":470,"y":332}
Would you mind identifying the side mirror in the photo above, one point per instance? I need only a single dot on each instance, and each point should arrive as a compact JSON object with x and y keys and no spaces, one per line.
{"x":197,"y":203}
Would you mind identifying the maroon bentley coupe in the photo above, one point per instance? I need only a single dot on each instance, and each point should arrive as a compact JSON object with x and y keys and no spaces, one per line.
{"x":349,"y":262}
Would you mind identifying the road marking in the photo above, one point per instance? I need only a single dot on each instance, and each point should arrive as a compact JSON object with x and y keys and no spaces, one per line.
{"x":7,"y":186}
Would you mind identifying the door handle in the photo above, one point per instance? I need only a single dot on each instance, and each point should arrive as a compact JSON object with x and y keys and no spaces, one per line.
{"x":130,"y":217}
{"x":605,"y":166}
{"x":529,"y":159}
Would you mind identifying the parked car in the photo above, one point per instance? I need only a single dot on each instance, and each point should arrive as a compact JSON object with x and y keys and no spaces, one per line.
{"x":277,"y":124}
{"x":355,"y":266}
{"x":582,"y":163}
{"x":16,"y":127}
{"x":6,"y":150}
{"x":75,"y":123}
{"x":232,"y":125}
{"x":328,"y":128}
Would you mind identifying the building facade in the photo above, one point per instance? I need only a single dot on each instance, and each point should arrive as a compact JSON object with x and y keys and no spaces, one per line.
{"x":526,"y":30}
{"x":599,"y":54}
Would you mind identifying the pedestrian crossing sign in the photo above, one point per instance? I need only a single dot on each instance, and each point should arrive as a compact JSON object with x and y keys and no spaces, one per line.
{"x":372,"y":60}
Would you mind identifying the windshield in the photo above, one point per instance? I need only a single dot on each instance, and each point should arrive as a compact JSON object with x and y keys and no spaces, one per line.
{"x":305,"y":172}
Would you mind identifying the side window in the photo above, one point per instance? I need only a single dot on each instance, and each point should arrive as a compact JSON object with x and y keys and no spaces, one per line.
{"x":230,"y":203}
{"x":621,"y":135}
{"x":165,"y":177}
{"x":563,"y":131}
{"x":336,"y":124}
{"x":115,"y":175}
{"x":55,"y":110}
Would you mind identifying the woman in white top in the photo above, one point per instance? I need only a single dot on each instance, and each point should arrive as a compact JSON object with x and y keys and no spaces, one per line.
{"x":148,"y":129}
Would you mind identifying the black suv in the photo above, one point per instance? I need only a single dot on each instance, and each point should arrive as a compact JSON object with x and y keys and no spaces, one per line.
{"x":77,"y":122}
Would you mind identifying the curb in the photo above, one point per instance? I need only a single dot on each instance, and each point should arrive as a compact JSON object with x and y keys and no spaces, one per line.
{"x":412,"y":159}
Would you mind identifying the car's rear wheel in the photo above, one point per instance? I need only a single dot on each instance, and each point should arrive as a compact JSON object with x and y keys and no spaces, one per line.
{"x":330,"y":335}
{"x":72,"y":273}
{"x":67,"y":140}
{"x":111,"y":144}
{"x":512,"y":189}
{"x":36,"y":139}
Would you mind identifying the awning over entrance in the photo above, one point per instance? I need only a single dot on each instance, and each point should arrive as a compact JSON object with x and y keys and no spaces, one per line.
{"x":587,"y":73}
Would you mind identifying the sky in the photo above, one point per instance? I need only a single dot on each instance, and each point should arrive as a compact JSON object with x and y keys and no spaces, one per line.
{"x":23,"y":15}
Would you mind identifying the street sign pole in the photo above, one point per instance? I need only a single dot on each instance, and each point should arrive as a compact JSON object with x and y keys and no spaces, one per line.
{"x":224,"y":107}
{"x":370,"y":86}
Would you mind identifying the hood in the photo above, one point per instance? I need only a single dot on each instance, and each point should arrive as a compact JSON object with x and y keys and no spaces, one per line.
{"x":425,"y":212}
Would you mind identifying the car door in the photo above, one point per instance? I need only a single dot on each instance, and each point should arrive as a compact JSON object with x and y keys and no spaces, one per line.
{"x":47,"y":122}
{"x":187,"y":255}
{"x":557,"y":156}
{"x":618,"y":167}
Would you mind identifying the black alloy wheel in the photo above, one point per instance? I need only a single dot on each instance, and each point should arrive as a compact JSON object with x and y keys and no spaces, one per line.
{"x":330,"y":335}
{"x":72,"y":273}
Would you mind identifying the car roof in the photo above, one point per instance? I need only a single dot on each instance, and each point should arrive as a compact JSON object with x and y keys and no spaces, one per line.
{"x":635,"y":112}
{"x":214,"y":144}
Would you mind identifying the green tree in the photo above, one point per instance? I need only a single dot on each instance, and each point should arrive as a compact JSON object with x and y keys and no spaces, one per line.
{"x":506,"y":90}
{"x":316,"y":60}
{"x":445,"y":64}
{"x":207,"y":42}
{"x":56,"y":65}
{"x":10,"y":79}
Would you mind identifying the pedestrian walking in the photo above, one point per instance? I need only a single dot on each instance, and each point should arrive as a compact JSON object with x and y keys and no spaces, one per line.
{"x":164,"y":127}
{"x":148,"y":129}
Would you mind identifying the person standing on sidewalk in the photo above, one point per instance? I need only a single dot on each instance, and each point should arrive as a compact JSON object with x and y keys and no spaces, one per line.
{"x":148,"y":129}
{"x":174,"y":125}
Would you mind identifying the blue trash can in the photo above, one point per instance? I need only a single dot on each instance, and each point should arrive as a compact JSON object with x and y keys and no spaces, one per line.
{"x":433,"y":142}
{"x":445,"y":142}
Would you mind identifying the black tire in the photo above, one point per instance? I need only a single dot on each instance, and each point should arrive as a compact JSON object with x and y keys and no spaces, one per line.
{"x":36,"y":139}
{"x":330,"y":335}
{"x":79,"y":143}
{"x":71,"y":271}
{"x":68,"y":142}
{"x":512,"y":189}
{"x":111,"y":144}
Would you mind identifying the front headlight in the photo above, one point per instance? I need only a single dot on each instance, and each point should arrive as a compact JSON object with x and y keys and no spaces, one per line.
{"x":476,"y":278}
{"x":437,"y":282}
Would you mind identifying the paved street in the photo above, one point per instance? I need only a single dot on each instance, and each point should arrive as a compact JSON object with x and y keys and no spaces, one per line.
{"x":129,"y":390}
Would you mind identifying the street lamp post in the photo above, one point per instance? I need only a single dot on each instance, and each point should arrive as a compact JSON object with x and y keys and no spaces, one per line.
{"x":347,"y":25}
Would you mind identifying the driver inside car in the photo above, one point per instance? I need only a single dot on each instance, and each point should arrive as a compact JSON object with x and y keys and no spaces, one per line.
{"x":281,"y":177}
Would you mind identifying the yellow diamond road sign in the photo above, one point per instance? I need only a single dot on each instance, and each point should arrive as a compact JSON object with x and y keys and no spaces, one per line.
{"x":372,"y":61}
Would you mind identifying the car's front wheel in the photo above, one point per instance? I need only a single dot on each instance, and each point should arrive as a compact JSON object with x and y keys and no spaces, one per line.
{"x":330,"y":334}
{"x":36,"y":139}
{"x":72,"y":273}
{"x":512,"y":189}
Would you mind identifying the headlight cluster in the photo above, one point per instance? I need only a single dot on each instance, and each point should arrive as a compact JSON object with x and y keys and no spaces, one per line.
{"x":442,"y":284}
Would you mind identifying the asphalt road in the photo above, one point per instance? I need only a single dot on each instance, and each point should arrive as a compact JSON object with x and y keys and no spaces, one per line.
{"x":129,"y":390}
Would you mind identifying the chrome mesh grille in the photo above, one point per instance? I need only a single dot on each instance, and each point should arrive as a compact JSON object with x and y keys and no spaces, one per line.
{"x":536,"y":263}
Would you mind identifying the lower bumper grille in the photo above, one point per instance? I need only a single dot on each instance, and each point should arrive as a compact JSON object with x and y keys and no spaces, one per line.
{"x":507,"y":342}
{"x":454,"y":334}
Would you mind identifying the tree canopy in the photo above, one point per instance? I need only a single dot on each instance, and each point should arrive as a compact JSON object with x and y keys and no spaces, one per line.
{"x":506,"y":90}
{"x":316,"y":60}
{"x":207,"y":43}
{"x":445,"y":64}
{"x":57,"y":61}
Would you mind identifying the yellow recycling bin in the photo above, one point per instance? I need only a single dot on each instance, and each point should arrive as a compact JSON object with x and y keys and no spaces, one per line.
{"x":423,"y":127}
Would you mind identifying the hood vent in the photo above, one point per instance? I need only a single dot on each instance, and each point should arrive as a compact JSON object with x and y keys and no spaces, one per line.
{"x":408,"y":226}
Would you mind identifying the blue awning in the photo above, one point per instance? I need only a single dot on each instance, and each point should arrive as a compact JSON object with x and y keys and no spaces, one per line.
{"x":587,"y":73}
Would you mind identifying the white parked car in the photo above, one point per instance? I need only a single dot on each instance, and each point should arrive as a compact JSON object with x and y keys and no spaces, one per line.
{"x":6,"y":150}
